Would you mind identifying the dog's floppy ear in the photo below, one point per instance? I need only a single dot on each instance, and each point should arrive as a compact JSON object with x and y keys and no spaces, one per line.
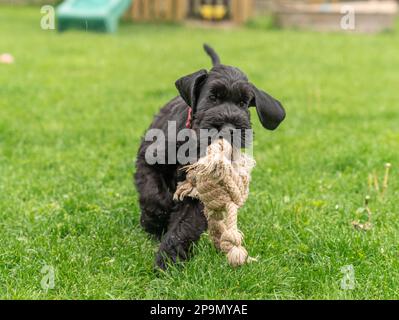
{"x":270,"y":111}
{"x":189,"y":87}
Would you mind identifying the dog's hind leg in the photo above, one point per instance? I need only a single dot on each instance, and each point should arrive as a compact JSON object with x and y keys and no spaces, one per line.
{"x":187,"y":223}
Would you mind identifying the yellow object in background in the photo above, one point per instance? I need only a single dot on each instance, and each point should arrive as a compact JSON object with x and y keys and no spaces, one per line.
{"x":219,"y":12}
{"x":210,"y":12}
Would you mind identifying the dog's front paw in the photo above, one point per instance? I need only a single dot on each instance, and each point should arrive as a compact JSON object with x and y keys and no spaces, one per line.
{"x":161,"y":261}
{"x":171,"y":251}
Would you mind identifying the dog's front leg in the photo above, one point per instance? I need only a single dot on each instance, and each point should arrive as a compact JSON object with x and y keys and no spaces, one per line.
{"x":156,"y":200}
{"x":187,"y":223}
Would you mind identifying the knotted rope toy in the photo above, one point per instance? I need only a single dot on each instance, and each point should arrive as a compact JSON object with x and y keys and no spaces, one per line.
{"x":220,"y":180}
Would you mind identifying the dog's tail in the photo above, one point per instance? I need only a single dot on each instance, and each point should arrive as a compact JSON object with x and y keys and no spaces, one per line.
{"x":212,"y":53}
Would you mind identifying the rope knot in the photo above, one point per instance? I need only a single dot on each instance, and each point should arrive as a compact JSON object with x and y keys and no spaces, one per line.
{"x":230,"y":239}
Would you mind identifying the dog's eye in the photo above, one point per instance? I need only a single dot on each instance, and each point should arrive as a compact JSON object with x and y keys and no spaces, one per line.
{"x":213,"y":98}
{"x":243,"y":104}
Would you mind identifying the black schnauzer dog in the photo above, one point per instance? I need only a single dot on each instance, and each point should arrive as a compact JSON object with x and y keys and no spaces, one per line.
{"x":217,"y":99}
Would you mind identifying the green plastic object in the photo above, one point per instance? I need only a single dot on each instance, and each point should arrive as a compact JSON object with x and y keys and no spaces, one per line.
{"x":94,"y":15}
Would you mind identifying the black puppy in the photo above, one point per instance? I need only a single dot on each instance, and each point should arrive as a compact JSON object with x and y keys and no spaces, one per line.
{"x":208,"y":100}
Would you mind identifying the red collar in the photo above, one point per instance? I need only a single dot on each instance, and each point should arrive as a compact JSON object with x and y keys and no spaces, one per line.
{"x":189,"y":118}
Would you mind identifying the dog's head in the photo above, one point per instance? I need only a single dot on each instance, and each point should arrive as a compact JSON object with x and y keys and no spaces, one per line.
{"x":221,"y":98}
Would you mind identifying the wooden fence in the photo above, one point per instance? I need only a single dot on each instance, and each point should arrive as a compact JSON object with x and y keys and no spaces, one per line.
{"x":159,"y":10}
{"x":239,"y":11}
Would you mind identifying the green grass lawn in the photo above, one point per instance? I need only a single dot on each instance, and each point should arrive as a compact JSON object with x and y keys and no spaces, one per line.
{"x":73,"y":109}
